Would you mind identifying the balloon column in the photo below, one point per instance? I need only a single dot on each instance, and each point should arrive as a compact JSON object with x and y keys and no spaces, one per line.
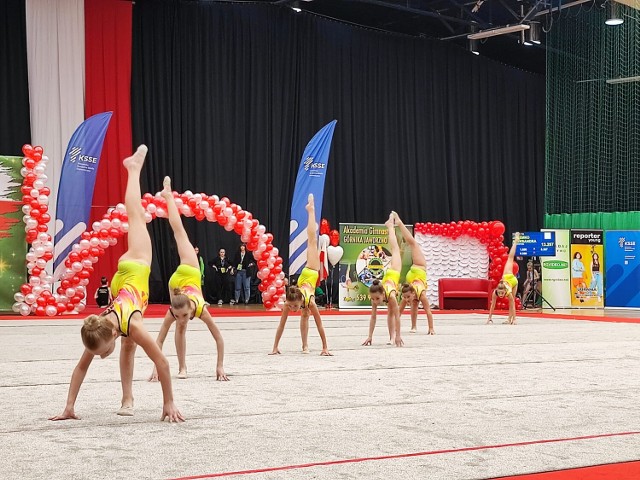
{"x":36,"y":296}
{"x":490,"y":234}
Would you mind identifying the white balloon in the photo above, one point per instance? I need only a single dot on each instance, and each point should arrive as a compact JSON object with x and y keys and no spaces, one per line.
{"x":34,"y":193}
{"x":94,"y":242}
{"x":38,"y":185}
{"x":334,"y":254}
{"x":104,"y":243}
{"x":86,"y":263}
{"x":51,"y":310}
{"x":76,"y":266}
{"x":117,"y":223}
{"x":43,"y":237}
{"x":95,"y":226}
{"x":37,"y":290}
{"x":31,"y":257}
{"x":48,"y":279}
{"x":113,"y":241}
{"x":125,"y":227}
{"x":84,"y":244}
{"x":80,"y":306}
{"x":43,"y":200}
{"x":26,"y":209}
{"x":29,"y":298}
{"x":30,"y":224}
{"x":25,"y":310}
{"x":34,"y":281}
{"x":261,"y":229}
{"x":70,"y":292}
{"x":147,"y":217}
{"x":16,"y":307}
{"x":41,"y":263}
{"x":121,"y":208}
{"x":151,"y":208}
{"x":84,"y":282}
{"x":24,"y":171}
{"x":38,"y":169}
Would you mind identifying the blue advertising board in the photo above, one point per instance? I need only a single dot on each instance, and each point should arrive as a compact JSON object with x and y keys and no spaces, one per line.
{"x":623,"y":268}
{"x":536,"y":244}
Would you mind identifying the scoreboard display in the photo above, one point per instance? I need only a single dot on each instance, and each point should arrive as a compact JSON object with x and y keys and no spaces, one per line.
{"x":536,"y":244}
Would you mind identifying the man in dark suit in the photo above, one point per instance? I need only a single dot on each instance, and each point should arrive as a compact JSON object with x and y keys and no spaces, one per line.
{"x":223,"y":271}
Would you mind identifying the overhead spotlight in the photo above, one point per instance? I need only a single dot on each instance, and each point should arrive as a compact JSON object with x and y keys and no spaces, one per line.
{"x":534,"y":32}
{"x":524,"y":40}
{"x":613,"y":14}
{"x":473,"y":47}
{"x":296,"y":9}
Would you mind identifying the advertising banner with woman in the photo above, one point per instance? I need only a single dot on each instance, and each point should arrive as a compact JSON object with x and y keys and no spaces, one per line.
{"x":587,"y":268}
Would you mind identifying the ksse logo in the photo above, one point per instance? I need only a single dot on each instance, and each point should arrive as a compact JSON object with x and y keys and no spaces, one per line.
{"x":309,"y":164}
{"x":74,"y":154}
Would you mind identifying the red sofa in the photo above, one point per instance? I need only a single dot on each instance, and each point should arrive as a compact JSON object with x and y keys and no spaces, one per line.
{"x":464,"y":293}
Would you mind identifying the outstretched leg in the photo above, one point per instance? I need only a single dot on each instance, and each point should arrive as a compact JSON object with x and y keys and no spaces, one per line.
{"x":417,"y":256}
{"x":127,"y":356}
{"x":508,"y":266}
{"x":396,"y":259}
{"x":313,"y":258}
{"x":139,"y":240}
{"x":186,"y":252}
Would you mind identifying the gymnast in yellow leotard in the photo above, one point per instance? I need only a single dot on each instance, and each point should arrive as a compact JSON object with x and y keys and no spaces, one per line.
{"x":185,"y":292}
{"x":301,"y":297}
{"x":414,"y":290}
{"x":123,"y":318}
{"x":508,"y":286}
{"x":386,"y":291}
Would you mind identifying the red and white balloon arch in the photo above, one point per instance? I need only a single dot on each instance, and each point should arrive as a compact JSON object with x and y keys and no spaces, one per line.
{"x":36,"y":296}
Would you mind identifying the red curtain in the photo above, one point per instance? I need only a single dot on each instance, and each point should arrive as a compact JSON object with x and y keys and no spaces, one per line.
{"x":107,"y":86}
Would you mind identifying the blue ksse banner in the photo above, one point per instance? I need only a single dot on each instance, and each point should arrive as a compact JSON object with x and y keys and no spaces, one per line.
{"x":310,"y":179}
{"x":623,"y":268}
{"x":75,"y":191}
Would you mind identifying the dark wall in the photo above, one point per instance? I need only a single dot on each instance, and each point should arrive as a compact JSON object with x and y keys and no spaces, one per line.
{"x":227,"y":96}
{"x":15,"y":126}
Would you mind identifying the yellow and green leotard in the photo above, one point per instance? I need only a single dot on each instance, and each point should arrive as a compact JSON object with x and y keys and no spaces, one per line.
{"x":187,"y":279}
{"x":390,"y":282}
{"x":130,"y":290}
{"x":510,"y":281}
{"x":417,"y":278}
{"x":307,"y":282}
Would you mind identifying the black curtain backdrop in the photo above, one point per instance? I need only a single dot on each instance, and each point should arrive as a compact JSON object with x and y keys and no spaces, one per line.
{"x":15,"y":126}
{"x":228,"y":95}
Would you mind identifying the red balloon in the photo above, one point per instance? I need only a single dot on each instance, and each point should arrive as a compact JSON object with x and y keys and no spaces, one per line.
{"x":27,"y":150}
{"x":324,"y":227}
{"x":334,"y":237}
{"x":268,"y":304}
{"x":516,"y":268}
{"x":41,"y":301}
{"x":40,"y":311}
{"x":38,"y":149}
{"x":45,"y":191}
{"x":497,"y":229}
{"x":61,"y":307}
{"x":69,"y":307}
{"x":42,"y":228}
{"x":36,"y":271}
{"x":29,"y":163}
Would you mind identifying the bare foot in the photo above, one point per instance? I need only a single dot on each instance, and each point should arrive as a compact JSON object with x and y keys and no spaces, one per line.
{"x":399,"y":342}
{"x":326,"y":353}
{"x":389,"y":223}
{"x":305,"y":350}
{"x":396,"y":217}
{"x":126,"y":410}
{"x":182,"y":374}
{"x":135,"y":161}
{"x":431,"y":332}
{"x":310,"y":203}
{"x":275,"y":352}
{"x":166,"y":188}
{"x":413,"y":330}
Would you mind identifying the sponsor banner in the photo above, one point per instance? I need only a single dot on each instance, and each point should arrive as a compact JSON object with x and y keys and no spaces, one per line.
{"x":556,"y":287}
{"x":77,"y":181}
{"x":587,"y":268}
{"x":623,"y":268}
{"x":13,"y":245}
{"x":366,"y":257}
{"x":311,"y":175}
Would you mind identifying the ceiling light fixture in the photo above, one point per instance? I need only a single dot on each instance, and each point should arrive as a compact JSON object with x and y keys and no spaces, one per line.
{"x":494,"y":32}
{"x":613,"y":14}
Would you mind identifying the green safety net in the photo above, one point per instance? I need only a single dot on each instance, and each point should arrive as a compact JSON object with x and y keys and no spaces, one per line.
{"x":593,"y":126}
{"x":599,"y":220}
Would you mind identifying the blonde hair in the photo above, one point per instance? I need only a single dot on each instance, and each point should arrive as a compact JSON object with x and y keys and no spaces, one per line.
{"x":95,"y":331}
{"x":294,"y":294}
{"x":179,"y":299}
